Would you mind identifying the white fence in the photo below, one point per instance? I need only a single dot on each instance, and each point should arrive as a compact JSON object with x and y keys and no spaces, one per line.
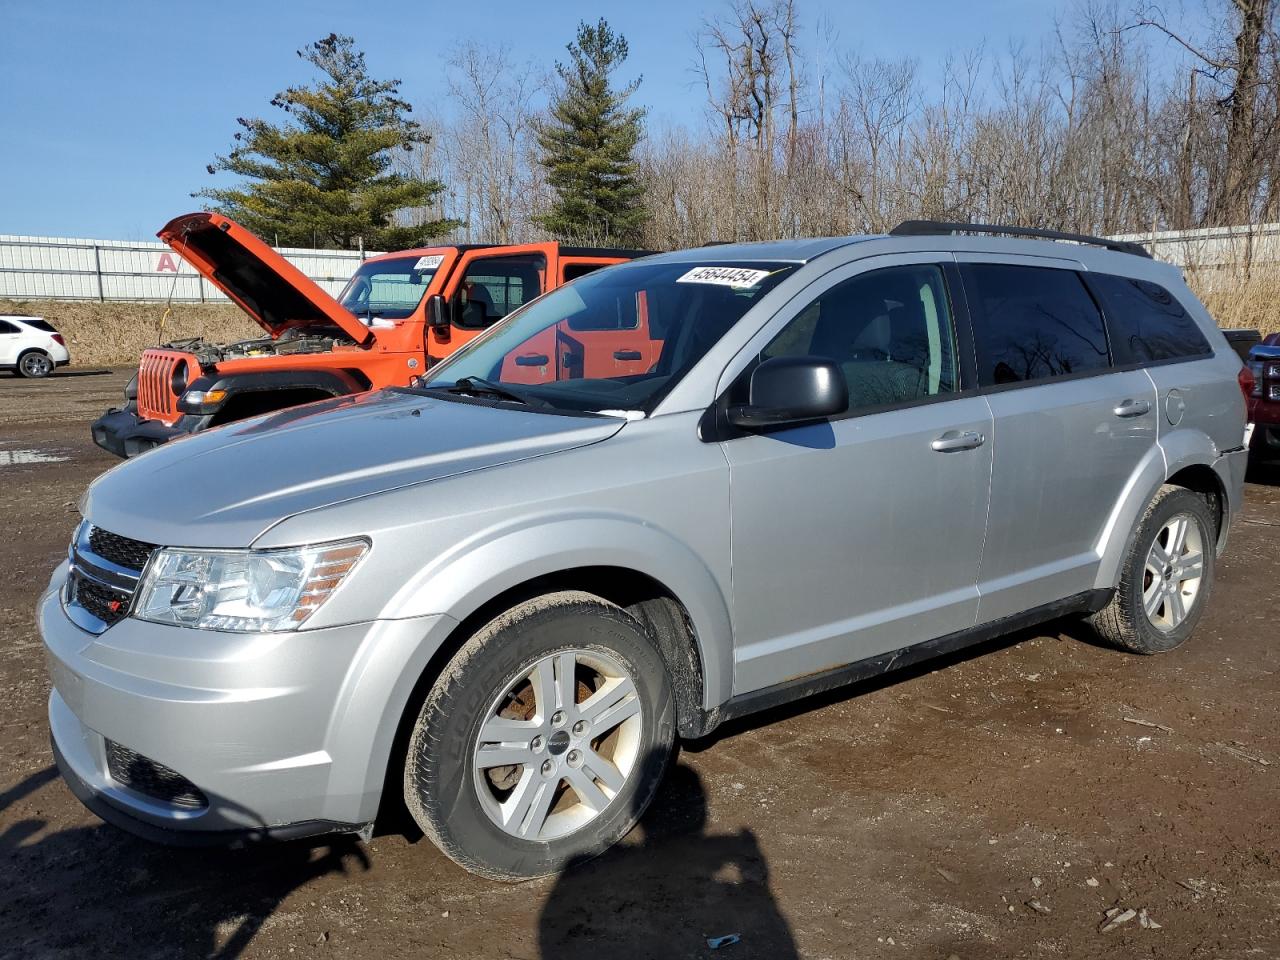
{"x":1214,"y":248}
{"x":60,"y":268}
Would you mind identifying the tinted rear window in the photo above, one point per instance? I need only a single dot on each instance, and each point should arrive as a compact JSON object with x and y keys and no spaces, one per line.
{"x":39,"y":324}
{"x":1033,"y":323}
{"x":1147,"y":322}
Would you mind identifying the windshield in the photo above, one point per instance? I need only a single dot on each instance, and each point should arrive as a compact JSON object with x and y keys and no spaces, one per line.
{"x":389,"y":289}
{"x":617,"y":340}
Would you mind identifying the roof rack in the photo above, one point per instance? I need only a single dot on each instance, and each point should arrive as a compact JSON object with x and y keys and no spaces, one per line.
{"x":935,"y":228}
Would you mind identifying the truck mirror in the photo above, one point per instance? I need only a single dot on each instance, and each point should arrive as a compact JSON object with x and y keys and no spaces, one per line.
{"x":437,"y":315}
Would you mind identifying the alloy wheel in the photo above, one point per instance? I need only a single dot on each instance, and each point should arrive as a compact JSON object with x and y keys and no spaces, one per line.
{"x":1173,"y":572}
{"x":558,"y":744}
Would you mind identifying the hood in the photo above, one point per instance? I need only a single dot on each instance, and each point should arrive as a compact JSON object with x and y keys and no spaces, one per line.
{"x":228,"y":486}
{"x":264,"y":284}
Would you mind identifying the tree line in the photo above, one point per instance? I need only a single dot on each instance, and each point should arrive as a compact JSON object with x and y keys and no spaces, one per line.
{"x":1122,"y":120}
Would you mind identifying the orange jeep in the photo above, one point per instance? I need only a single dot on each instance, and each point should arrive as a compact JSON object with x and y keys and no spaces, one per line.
{"x":398,"y":315}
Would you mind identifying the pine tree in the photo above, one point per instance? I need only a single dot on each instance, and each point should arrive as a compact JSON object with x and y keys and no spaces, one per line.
{"x":587,"y":145}
{"x":324,"y":177}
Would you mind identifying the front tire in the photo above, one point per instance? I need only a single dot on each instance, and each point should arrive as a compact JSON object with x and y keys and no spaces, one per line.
{"x":1166,"y":578}
{"x":34,"y":365}
{"x":543,"y":740}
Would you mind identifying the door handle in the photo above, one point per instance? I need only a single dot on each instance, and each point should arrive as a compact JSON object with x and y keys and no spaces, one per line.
{"x":626,"y":355}
{"x":1132,"y":408}
{"x":532,"y":360}
{"x":954,"y":440}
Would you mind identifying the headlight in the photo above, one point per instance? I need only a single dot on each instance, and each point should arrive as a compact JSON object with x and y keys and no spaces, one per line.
{"x":201,"y":401}
{"x":243,"y":591}
{"x":1273,"y":371}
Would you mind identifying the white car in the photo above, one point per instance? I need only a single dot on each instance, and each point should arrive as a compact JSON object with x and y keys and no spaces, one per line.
{"x":30,"y":346}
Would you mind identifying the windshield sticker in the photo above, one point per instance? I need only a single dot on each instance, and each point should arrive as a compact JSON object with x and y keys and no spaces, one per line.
{"x":429,"y":263}
{"x":737,"y":277}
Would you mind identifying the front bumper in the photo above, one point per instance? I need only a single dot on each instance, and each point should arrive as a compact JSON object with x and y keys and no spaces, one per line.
{"x":285,"y":734}
{"x":122,"y":432}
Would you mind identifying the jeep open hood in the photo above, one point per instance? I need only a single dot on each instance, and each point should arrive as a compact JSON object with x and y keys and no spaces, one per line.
{"x":226,"y":487}
{"x":264,"y":284}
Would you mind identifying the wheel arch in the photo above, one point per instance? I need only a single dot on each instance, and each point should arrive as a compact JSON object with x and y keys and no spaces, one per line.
{"x":1184,"y":459}
{"x":17,"y":361}
{"x":650,"y":601}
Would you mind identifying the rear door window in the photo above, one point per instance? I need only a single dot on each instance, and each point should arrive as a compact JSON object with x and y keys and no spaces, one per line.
{"x":1032,"y":324}
{"x":7,"y":327}
{"x":1147,"y":322}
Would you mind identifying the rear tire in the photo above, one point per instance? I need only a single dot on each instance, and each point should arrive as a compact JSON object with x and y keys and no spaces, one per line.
{"x":1166,"y":578}
{"x":34,"y":365}
{"x":570,"y":693}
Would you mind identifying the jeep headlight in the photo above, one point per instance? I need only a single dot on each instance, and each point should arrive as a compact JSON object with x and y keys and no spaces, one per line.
{"x":243,"y":591}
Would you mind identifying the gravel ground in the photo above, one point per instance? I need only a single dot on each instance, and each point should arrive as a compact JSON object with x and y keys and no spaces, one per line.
{"x":994,"y":804}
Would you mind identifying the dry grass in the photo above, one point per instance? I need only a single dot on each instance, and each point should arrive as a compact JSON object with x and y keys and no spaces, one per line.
{"x":1240,"y":300}
{"x":115,"y":334}
{"x":112,"y":334}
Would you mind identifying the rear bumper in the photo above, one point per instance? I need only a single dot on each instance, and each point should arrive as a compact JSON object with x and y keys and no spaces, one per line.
{"x":1265,"y":444}
{"x":122,"y":432}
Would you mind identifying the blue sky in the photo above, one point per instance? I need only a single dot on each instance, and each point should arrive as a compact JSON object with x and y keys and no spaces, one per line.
{"x":110,"y":111}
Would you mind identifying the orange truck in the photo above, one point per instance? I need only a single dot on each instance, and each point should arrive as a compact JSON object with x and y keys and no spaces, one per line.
{"x":398,"y":315}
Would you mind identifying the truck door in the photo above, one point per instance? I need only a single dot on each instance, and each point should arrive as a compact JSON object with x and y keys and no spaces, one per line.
{"x":484,"y":289}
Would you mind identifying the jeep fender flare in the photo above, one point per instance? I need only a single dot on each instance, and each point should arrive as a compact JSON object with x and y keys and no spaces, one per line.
{"x":336,"y":383}
{"x":459,"y":581}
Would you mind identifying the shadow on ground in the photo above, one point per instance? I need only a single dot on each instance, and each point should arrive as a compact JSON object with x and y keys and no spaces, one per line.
{"x":669,"y":894}
{"x":97,"y":891}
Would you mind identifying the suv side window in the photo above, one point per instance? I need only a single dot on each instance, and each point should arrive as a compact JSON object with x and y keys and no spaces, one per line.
{"x":1033,"y":323}
{"x":7,"y":327}
{"x":1147,"y":322}
{"x":890,"y":330}
{"x":494,"y":286}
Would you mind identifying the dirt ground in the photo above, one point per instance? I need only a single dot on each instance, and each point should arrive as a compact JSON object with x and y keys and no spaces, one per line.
{"x":994,"y":804}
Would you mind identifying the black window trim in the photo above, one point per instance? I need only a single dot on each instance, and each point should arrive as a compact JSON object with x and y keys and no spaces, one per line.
{"x":714,"y":425}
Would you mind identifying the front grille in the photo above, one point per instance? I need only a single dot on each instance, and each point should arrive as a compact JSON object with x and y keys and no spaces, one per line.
{"x":105,"y":569}
{"x":131,"y":769}
{"x":156,"y":399}
{"x":121,"y":551}
{"x":108,"y":605}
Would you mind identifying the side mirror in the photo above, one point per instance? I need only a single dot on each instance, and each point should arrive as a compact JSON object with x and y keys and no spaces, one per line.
{"x":792,"y":390}
{"x":437,"y":315}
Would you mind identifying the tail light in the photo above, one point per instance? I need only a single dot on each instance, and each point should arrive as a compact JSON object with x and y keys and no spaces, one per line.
{"x":57,"y":338}
{"x":1247,"y":382}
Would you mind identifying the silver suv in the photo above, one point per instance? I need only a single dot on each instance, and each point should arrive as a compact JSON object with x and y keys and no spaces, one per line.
{"x":502,"y":594}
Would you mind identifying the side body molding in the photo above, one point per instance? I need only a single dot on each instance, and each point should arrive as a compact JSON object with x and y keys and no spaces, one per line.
{"x":460,"y":580}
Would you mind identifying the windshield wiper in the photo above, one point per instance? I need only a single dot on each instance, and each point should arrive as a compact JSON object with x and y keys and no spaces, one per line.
{"x":480,"y":387}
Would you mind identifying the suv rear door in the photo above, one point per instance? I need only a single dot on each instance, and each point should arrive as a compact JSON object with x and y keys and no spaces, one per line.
{"x":861,"y":535}
{"x":1071,"y":432}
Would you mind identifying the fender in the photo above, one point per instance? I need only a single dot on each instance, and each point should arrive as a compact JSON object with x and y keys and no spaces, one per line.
{"x":1174,"y":451}
{"x":336,"y":383}
{"x":458,"y":581}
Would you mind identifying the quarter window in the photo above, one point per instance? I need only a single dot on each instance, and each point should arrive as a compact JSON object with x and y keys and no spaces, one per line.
{"x":890,"y":330}
{"x":1033,"y":323}
{"x":1147,"y":322}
